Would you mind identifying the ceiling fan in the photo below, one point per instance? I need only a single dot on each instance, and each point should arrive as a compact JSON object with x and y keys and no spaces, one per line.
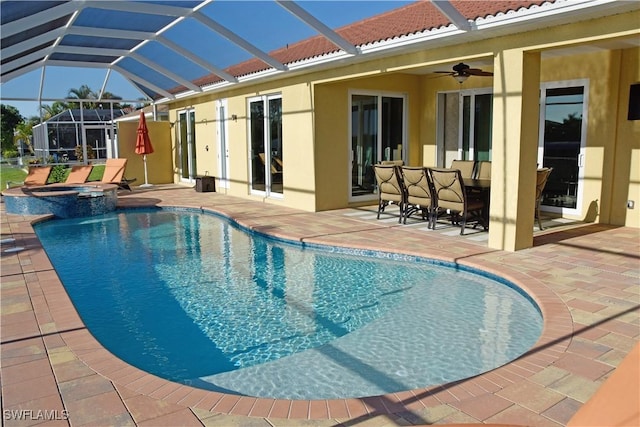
{"x":461,"y":72}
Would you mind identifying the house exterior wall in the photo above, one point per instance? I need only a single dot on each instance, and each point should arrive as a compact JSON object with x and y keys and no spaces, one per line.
{"x":316,"y":118}
{"x":159,"y":163}
{"x":333,"y":141}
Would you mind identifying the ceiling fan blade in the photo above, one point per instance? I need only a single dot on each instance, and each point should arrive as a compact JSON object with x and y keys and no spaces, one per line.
{"x":478,"y":72}
{"x":445,"y":72}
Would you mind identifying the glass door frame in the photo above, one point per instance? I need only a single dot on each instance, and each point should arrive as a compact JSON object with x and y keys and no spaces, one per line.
{"x":471,"y":149}
{"x":268,"y":157}
{"x":189,"y":114}
{"x":379,"y":142}
{"x":581,"y":162}
{"x":223,"y":143}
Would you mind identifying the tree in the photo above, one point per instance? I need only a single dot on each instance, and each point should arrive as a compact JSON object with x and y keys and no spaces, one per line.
{"x":9,"y":119}
{"x":111,"y":96}
{"x":24,"y":131}
{"x":49,"y":111}
{"x":83,"y":92}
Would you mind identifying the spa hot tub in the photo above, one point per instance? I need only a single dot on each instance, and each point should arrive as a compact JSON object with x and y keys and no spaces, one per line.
{"x":60,"y":200}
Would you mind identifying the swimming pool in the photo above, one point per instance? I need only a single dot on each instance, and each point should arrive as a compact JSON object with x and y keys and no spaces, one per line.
{"x":193,"y":298}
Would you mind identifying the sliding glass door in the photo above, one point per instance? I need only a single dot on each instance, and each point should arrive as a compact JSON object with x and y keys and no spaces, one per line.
{"x":266,"y":145}
{"x":477,"y":113}
{"x":562,"y":141}
{"x":377,"y":133}
{"x":187,"y":135}
{"x":465,"y":126}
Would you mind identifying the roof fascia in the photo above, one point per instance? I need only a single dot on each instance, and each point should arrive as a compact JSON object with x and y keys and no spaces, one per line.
{"x":48,"y":15}
{"x":234,"y":38}
{"x":563,"y":9}
{"x":453,"y":14}
{"x":292,"y":7}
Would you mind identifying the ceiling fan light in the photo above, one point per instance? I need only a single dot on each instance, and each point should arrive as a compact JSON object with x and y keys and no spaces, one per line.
{"x":460,"y":78}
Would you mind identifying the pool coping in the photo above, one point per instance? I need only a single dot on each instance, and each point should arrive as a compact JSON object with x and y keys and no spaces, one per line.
{"x":60,"y":327}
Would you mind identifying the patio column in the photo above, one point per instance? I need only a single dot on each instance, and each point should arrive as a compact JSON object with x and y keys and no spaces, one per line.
{"x":516,"y":84}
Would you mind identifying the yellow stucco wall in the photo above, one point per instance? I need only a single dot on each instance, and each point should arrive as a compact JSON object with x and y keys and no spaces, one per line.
{"x":159,"y":163}
{"x":333,"y":142}
{"x":626,"y":165}
{"x":315,"y":117}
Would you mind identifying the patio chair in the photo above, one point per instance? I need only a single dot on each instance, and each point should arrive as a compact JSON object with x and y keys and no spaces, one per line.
{"x":390,"y":188}
{"x":417,"y":184}
{"x":542,"y":175}
{"x":466,"y":167}
{"x":483,"y":170}
{"x":114,"y":174}
{"x":450,"y":193}
{"x":79,"y":174}
{"x":37,"y":175}
{"x":392,"y":162}
{"x":276,"y":174}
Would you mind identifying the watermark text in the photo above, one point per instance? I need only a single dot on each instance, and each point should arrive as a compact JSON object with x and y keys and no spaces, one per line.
{"x":35,"y":414}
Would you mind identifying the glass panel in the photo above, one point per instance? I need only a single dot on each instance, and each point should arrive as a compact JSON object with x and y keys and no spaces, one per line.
{"x":562,"y":142}
{"x":258,"y":156}
{"x":392,"y":138}
{"x":192,"y":144}
{"x":184,"y":146}
{"x":364,"y":143}
{"x":466,"y":127}
{"x":482,"y":127}
{"x":186,"y":120}
{"x":223,"y":145}
{"x":275,"y":131}
{"x":451,"y":129}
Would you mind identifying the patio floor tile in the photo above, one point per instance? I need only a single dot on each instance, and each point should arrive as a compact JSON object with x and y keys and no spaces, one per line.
{"x":589,"y":298}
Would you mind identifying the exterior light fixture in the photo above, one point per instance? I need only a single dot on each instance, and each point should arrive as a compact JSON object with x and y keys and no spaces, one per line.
{"x":460,"y":78}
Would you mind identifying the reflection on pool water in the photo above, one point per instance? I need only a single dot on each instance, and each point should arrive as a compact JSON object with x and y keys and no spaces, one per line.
{"x":193,"y":298}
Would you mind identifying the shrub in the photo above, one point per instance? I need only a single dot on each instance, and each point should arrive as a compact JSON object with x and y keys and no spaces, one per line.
{"x":10,"y":154}
{"x":58,"y":173}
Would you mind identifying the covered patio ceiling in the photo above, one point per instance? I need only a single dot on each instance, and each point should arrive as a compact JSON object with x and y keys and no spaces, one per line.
{"x":172,"y":48}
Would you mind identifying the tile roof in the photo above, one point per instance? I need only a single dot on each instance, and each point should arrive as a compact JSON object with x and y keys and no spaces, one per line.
{"x":421,"y":16}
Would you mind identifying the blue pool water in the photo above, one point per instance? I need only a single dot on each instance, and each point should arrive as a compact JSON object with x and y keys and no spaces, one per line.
{"x":193,"y":298}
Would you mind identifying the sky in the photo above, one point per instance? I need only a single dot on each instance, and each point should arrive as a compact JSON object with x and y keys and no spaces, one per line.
{"x":263,"y":23}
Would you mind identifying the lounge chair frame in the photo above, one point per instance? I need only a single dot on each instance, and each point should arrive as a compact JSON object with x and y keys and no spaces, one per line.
{"x":450,"y":193}
{"x":419,"y":194}
{"x":390,"y":188}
